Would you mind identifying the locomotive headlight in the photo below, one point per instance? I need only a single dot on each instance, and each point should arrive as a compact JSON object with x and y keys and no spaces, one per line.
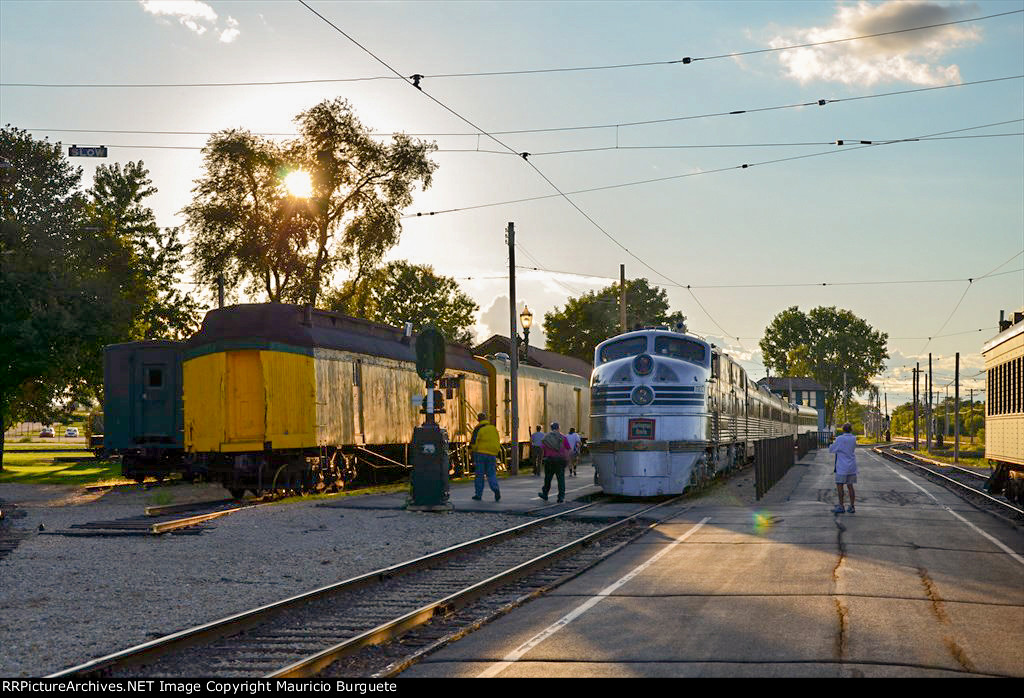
{"x":643,"y":364}
{"x":642,"y":395}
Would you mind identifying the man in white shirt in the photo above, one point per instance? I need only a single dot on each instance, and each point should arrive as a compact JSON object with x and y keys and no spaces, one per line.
{"x":845,"y":447}
{"x":575,"y":442}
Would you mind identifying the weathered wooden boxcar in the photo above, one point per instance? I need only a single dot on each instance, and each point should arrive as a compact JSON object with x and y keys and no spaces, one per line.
{"x":142,"y":407}
{"x":281,"y":396}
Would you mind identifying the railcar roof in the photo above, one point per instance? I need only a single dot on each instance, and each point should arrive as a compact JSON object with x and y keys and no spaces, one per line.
{"x":1007,"y":334}
{"x":285,"y":324}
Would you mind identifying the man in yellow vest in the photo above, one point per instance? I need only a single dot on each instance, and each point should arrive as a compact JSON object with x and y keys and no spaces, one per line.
{"x":485,"y":445}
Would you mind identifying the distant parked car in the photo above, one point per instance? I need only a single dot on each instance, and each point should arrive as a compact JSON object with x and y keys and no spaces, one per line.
{"x":47,"y":432}
{"x":71,"y":431}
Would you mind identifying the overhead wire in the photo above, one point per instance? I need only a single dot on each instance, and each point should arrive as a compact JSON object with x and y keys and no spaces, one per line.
{"x":415,"y":79}
{"x":685,"y":175}
{"x":502,"y":144}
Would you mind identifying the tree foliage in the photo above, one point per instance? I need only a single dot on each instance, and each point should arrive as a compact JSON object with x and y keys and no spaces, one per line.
{"x":401,"y":292}
{"x":593,"y":317}
{"x":266,"y":241}
{"x":833,"y":346}
{"x":117,"y":204}
{"x":68,"y":287}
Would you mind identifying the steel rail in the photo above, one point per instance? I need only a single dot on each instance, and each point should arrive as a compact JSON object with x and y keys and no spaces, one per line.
{"x":314,"y":664}
{"x":910,"y":461}
{"x":233,"y":624}
{"x":176,"y":508}
{"x":938,"y":463}
{"x":167,"y":526}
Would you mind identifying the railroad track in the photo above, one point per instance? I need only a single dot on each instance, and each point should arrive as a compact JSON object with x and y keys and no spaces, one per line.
{"x":305,"y":635}
{"x":965,"y":482}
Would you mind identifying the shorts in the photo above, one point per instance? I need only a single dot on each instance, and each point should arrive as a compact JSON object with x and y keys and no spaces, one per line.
{"x":846,"y":479}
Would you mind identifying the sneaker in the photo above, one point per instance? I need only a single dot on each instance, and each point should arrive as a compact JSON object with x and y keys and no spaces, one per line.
{"x":542,"y":496}
{"x":497,"y":496}
{"x":851,"y":510}
{"x":477,"y":497}
{"x":560,"y":500}
{"x":838,"y":509}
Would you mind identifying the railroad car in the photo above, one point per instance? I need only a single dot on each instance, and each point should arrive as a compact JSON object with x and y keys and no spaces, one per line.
{"x":284,"y":397}
{"x":1004,"y":408}
{"x":142,"y":408}
{"x":669,"y":410}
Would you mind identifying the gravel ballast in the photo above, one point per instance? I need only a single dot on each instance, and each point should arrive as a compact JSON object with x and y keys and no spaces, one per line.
{"x":66,"y":600}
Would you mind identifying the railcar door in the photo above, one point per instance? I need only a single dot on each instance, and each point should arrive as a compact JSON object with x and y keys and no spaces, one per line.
{"x":246,"y":398}
{"x":155,"y":394}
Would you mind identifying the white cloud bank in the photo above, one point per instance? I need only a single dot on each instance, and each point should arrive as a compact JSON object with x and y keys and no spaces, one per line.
{"x":195,"y":16}
{"x":905,"y":57}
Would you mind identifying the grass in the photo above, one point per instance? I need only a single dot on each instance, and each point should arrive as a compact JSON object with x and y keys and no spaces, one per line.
{"x":40,"y":469}
{"x":944,"y":457}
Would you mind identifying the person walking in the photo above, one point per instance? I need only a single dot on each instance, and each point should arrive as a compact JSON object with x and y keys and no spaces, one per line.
{"x":575,"y":443}
{"x":485,"y":445}
{"x":536,"y":449}
{"x":556,"y":455}
{"x":846,"y":466}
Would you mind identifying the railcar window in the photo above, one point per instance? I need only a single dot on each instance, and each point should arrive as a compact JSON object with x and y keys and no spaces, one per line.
{"x":623,"y":348}
{"x":679,"y":348}
{"x":155,"y":378}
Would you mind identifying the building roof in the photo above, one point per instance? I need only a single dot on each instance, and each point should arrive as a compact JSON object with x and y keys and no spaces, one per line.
{"x":785,"y":384}
{"x":537,"y":357}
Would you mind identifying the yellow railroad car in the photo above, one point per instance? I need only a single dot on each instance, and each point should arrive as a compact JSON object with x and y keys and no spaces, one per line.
{"x":284,"y":397}
{"x":1004,"y":407}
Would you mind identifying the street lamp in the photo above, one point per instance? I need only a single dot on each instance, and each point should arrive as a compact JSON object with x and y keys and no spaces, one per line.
{"x":526,"y":318}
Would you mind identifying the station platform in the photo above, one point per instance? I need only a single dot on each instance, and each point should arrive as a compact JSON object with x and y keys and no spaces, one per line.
{"x":916,"y":583}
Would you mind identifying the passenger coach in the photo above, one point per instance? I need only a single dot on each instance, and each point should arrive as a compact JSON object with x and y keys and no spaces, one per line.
{"x":1004,"y":407}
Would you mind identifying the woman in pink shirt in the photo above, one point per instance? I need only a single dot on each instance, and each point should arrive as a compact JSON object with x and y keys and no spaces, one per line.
{"x":556,"y":455}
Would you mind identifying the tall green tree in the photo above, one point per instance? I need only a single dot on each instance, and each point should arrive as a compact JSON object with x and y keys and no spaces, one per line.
{"x":67,"y":285}
{"x":593,"y":317}
{"x":401,"y":292}
{"x":117,"y":203}
{"x":833,"y":346}
{"x":267,"y":239}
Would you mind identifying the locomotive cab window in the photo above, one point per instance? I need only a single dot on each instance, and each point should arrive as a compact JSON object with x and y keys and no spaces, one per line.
{"x":623,"y":348}
{"x":679,"y":348}
{"x":154,"y":378}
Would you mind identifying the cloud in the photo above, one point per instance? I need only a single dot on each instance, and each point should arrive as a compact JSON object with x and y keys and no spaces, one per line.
{"x":906,"y":57}
{"x":197,"y":17}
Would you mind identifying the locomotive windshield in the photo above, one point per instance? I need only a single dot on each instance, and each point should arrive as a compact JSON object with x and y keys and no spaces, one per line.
{"x":623,"y":348}
{"x":680,"y":348}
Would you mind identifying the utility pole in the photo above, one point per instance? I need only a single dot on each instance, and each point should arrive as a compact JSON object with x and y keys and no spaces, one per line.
{"x":956,"y":411}
{"x":928,"y":409}
{"x":945,"y":413}
{"x":513,"y":337}
{"x":971,"y":416}
{"x":916,"y":395}
{"x":622,"y":297}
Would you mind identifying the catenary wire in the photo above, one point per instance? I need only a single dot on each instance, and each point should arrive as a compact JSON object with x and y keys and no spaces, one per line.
{"x":687,"y":60}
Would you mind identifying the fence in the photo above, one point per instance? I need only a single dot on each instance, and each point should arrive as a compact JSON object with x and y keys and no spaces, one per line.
{"x":772,"y":459}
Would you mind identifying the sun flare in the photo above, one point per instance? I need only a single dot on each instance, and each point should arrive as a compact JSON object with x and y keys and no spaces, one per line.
{"x":299,"y":184}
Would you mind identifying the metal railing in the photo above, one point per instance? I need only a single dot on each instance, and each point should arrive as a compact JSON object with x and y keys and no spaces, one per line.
{"x":772,"y":459}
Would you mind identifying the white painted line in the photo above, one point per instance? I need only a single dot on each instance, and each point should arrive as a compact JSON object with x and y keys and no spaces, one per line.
{"x":999,"y":544}
{"x":516,"y":654}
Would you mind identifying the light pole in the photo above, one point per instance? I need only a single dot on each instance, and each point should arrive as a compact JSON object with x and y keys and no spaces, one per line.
{"x":526,"y":318}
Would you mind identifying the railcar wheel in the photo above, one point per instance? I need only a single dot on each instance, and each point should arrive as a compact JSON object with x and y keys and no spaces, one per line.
{"x":236,"y":492}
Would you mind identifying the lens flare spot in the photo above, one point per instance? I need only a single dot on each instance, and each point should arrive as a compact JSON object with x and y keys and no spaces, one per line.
{"x":299,"y":184}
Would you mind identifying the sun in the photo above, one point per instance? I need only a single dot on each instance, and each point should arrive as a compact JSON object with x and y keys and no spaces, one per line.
{"x":299,"y":184}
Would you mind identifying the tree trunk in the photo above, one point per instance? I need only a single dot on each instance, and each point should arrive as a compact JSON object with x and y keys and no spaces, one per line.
{"x":3,"y":429}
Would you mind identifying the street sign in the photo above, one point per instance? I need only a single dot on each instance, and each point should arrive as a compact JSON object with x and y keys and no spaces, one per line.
{"x":92,"y":151}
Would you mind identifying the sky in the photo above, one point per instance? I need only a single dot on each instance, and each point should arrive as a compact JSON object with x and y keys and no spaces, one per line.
{"x":737,"y":215}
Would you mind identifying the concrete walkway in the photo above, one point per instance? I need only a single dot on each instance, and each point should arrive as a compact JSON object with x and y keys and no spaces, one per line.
{"x":917,"y":583}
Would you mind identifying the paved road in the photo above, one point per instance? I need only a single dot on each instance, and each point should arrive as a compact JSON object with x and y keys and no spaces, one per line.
{"x":917,"y":583}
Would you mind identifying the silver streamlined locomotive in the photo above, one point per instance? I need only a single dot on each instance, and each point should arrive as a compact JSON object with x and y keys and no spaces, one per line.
{"x":669,"y":410}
